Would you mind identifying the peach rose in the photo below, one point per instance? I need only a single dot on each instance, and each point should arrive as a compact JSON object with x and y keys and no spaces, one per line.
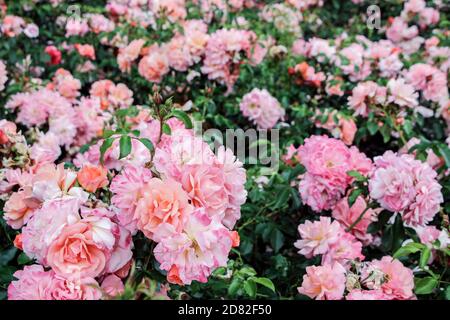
{"x":19,"y":208}
{"x":85,"y":50}
{"x":75,"y":254}
{"x":154,"y":66}
{"x":161,"y":202}
{"x":92,"y":177}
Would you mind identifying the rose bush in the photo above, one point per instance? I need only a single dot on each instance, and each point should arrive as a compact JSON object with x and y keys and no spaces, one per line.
{"x":108,"y":191}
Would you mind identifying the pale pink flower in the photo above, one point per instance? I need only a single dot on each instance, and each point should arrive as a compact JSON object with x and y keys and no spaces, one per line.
{"x":46,"y":149}
{"x":34,"y":283}
{"x":327,"y":162}
{"x":46,"y":225}
{"x":12,"y":26}
{"x":347,"y":216}
{"x":399,"y":31}
{"x":66,"y":84}
{"x":261,"y":108}
{"x":19,"y":208}
{"x":112,"y":286}
{"x":345,"y":250}
{"x":3,"y":75}
{"x":324,"y":282}
{"x":317,"y":236}
{"x":126,"y":188}
{"x":398,"y":281}
{"x":429,"y":79}
{"x":202,"y":246}
{"x":129,"y":54}
{"x":402,"y":184}
{"x":401,"y":93}
{"x":76,"y":27}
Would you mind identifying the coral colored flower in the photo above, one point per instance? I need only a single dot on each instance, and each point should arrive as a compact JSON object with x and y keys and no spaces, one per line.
{"x":92,"y":178}
{"x":86,"y":50}
{"x":161,"y":202}
{"x":74,"y":253}
{"x":154,"y":65}
{"x":324,"y":282}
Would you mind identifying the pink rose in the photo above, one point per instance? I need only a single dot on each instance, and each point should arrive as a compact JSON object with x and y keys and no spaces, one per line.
{"x":74,"y":252}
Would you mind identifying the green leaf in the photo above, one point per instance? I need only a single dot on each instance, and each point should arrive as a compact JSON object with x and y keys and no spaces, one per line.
{"x":7,"y":255}
{"x":353,"y":195}
{"x":425,"y":285}
{"x":147,"y":143}
{"x":183,"y":117}
{"x":409,"y":248}
{"x":358,"y":176}
{"x":372,"y":127}
{"x":166,"y":129}
{"x":276,"y":239}
{"x":23,"y":259}
{"x":104,"y":147}
{"x":250,"y":288}
{"x":445,"y":153}
{"x":424,"y":257}
{"x":265,"y":282}
{"x":125,"y":146}
{"x":447,"y":293}
{"x":283,"y":197}
{"x":234,"y":287}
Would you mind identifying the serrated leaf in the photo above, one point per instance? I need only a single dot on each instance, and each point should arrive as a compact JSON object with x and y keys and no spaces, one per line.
{"x":372,"y":127}
{"x":445,"y":153}
{"x":276,"y":239}
{"x":183,"y":117}
{"x":125,"y":146}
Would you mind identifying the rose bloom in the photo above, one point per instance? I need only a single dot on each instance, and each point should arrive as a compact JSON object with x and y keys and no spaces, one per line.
{"x":398,"y":281}
{"x":324,"y":282}
{"x":261,"y":108}
{"x":126,"y":188}
{"x":19,"y":208}
{"x":92,"y":178}
{"x":54,"y":53}
{"x":358,"y":294}
{"x":317,"y":236}
{"x":3,"y":75}
{"x":112,"y":286}
{"x":364,"y":95}
{"x":194,"y":253}
{"x":154,"y":65}
{"x":402,"y":93}
{"x":85,"y":50}
{"x":74,"y":253}
{"x":129,"y":54}
{"x":347,"y":216}
{"x":34,"y":283}
{"x":161,"y":201}
{"x":205,"y":187}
